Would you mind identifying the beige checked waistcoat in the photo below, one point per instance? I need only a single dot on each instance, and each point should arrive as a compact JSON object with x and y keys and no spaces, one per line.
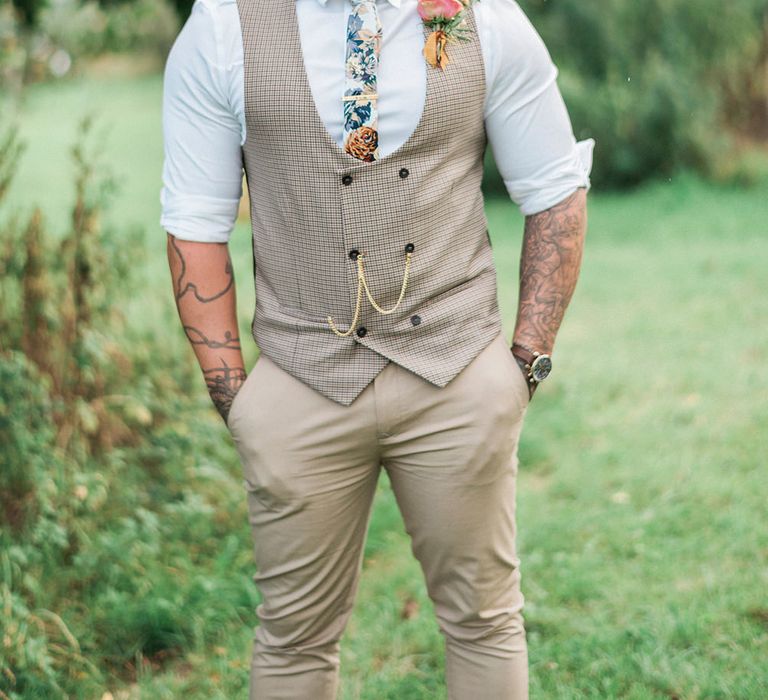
{"x":313,"y":205}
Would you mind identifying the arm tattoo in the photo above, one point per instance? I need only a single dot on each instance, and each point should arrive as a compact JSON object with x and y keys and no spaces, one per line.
{"x":197,"y":337}
{"x":549,"y":267}
{"x":223,"y":383}
{"x":180,"y":291}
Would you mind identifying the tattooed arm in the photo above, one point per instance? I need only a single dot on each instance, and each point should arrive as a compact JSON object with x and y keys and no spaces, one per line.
{"x":204,"y":289}
{"x":549,"y":267}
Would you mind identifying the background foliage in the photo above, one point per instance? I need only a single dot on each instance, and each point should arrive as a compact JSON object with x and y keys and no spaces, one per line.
{"x":56,"y":39}
{"x":106,"y":514}
{"x":663,"y":85}
{"x":125,"y":553}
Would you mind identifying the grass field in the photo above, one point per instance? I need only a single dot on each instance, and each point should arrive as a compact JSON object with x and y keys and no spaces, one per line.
{"x":642,"y":498}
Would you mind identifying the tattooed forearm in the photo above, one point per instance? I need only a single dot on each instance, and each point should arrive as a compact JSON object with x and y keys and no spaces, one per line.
{"x":182,"y":285}
{"x":207,"y":309}
{"x":223,"y":383}
{"x":197,"y":337}
{"x":549,"y":267}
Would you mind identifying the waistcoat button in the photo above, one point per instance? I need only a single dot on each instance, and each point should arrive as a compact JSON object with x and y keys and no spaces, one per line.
{"x":354,"y":253}
{"x":415,"y":319}
{"x":404,"y":172}
{"x":409,"y":247}
{"x":361,"y":331}
{"x":347,"y":179}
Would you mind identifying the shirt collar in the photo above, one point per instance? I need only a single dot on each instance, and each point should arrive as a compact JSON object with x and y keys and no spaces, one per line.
{"x":394,"y":3}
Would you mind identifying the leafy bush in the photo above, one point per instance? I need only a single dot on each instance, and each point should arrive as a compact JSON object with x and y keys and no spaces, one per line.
{"x":146,"y":25}
{"x":26,"y":434}
{"x":65,"y":31}
{"x":28,"y":10}
{"x":118,"y":537}
{"x":87,"y":28}
{"x":661,"y":84}
{"x":12,"y":52}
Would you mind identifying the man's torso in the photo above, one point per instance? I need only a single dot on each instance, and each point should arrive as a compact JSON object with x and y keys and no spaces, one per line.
{"x":313,"y":204}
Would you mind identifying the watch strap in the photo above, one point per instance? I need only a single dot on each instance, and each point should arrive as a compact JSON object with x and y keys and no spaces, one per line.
{"x":523,"y":353}
{"x":525,"y":368}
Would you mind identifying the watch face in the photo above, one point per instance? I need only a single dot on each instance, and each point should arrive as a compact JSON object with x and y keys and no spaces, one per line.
{"x":541,"y":368}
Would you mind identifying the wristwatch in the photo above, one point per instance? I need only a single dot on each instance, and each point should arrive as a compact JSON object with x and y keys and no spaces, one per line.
{"x":538,"y":365}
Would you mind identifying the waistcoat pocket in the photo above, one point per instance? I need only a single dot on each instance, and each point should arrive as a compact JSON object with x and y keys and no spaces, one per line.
{"x":303,"y":315}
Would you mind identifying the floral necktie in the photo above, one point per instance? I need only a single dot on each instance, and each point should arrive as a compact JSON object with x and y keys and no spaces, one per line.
{"x":361,"y":137}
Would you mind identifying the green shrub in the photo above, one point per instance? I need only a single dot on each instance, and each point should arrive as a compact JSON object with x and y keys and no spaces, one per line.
{"x":26,"y":434}
{"x":119,"y":544}
{"x":64,"y":32}
{"x":28,"y":10}
{"x":661,"y":84}
{"x":87,"y":28}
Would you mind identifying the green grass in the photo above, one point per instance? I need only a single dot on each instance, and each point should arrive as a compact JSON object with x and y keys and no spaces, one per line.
{"x":642,"y":489}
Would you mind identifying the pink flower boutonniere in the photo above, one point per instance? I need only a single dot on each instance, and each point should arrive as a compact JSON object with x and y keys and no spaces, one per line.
{"x":446,"y":18}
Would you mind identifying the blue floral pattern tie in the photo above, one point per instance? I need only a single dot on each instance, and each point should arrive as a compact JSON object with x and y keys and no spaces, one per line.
{"x":361,"y":136}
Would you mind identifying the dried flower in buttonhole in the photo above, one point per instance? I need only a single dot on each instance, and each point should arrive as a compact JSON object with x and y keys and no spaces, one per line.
{"x":447,"y":20}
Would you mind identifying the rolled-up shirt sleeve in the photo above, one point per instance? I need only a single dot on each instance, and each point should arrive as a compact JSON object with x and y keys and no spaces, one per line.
{"x":202,"y":167}
{"x":527,"y":123}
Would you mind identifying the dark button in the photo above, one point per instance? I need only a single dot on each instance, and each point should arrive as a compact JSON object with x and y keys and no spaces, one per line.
{"x":415,"y":319}
{"x":361,"y":331}
{"x":409,"y":247}
{"x":354,"y":253}
{"x":404,"y":172}
{"x":347,"y":179}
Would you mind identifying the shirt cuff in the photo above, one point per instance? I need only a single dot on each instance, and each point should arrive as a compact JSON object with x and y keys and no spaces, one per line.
{"x":545,"y":189}
{"x":198,"y":218}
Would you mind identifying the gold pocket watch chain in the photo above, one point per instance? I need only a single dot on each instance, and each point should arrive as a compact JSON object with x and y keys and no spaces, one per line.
{"x":362,"y":284}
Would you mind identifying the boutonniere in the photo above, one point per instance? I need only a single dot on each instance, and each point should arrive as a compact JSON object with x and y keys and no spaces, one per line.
{"x":446,"y":18}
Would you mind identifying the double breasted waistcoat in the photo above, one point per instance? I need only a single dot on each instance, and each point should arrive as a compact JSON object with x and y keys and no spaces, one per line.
{"x":313,"y":205}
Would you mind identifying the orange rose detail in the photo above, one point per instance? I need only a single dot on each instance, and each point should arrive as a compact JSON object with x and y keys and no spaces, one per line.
{"x":362,"y":143}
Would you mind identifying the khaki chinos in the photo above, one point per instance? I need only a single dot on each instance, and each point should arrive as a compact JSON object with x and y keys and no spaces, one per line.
{"x":310,"y":468}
